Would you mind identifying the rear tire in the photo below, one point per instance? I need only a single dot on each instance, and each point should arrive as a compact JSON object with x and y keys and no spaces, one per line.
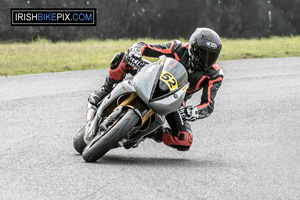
{"x":100,"y":145}
{"x":78,"y":141}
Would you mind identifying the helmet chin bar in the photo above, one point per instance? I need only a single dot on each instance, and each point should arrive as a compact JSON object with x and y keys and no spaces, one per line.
{"x":198,"y":63}
{"x":198,"y":66}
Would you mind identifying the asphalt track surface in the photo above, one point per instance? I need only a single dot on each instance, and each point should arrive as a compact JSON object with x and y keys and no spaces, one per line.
{"x":249,"y":148}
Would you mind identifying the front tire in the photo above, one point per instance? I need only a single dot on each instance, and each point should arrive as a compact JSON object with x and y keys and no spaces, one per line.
{"x":101,"y":144}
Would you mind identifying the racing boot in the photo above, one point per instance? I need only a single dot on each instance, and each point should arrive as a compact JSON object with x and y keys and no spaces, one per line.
{"x":95,"y":98}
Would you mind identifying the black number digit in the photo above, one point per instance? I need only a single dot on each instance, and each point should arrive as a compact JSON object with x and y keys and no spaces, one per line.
{"x":166,"y":77}
{"x":173,"y":83}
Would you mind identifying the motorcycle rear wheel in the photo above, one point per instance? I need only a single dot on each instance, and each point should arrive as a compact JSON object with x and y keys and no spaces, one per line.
{"x":100,"y":145}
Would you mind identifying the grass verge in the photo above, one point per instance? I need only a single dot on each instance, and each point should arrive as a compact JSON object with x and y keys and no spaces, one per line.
{"x":45,"y":56}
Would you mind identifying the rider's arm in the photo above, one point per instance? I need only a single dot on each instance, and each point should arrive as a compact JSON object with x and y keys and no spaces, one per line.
{"x":206,"y":107}
{"x":156,"y":50}
{"x":119,"y":66}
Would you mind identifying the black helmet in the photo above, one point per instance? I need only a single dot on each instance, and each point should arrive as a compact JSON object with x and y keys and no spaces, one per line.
{"x":204,"y":48}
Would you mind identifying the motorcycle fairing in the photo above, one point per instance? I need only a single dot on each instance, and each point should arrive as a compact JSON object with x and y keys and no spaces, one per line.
{"x":160,"y":83}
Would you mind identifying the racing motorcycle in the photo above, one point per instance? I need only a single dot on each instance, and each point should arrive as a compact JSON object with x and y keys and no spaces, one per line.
{"x":135,"y":108}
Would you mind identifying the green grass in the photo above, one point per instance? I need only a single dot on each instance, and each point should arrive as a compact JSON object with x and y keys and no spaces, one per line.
{"x":274,"y":47}
{"x":45,"y":56}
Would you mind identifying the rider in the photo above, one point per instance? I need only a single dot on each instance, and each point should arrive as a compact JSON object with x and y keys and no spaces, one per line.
{"x":199,"y":57}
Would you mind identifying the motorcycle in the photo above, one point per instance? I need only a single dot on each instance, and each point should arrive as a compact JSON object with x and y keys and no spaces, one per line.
{"x":135,"y":108}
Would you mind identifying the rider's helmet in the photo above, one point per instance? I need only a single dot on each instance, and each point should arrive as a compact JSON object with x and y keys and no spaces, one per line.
{"x":204,"y":48}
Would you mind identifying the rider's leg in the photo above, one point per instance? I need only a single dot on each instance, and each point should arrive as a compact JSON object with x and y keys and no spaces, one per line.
{"x":97,"y":97}
{"x":116,"y":74}
{"x":179,"y":137}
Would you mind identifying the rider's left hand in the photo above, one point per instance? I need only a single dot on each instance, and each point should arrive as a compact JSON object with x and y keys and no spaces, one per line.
{"x":134,"y":57}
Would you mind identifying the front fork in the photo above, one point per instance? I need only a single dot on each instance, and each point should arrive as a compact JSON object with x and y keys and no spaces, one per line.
{"x":128,"y":101}
{"x":92,"y":128}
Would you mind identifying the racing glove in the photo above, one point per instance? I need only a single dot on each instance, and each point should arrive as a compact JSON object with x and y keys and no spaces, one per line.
{"x":191,"y":113}
{"x":134,"y":58}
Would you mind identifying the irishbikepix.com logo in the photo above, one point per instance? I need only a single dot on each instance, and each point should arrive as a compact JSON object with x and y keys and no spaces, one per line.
{"x":53,"y":17}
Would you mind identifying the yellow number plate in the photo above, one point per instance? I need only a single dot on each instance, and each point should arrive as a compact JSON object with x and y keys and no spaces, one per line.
{"x":169,"y":79}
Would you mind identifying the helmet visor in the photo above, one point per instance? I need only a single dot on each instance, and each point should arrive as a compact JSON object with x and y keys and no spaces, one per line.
{"x":204,"y":59}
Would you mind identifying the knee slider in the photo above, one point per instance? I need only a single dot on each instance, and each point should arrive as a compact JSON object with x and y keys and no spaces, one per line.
{"x":117,"y":59}
{"x":186,"y":137}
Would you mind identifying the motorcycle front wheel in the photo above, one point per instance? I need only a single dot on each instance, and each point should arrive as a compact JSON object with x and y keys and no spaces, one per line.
{"x":101,"y":144}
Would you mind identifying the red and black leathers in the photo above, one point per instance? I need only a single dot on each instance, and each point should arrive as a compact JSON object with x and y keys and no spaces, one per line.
{"x":209,"y":81}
